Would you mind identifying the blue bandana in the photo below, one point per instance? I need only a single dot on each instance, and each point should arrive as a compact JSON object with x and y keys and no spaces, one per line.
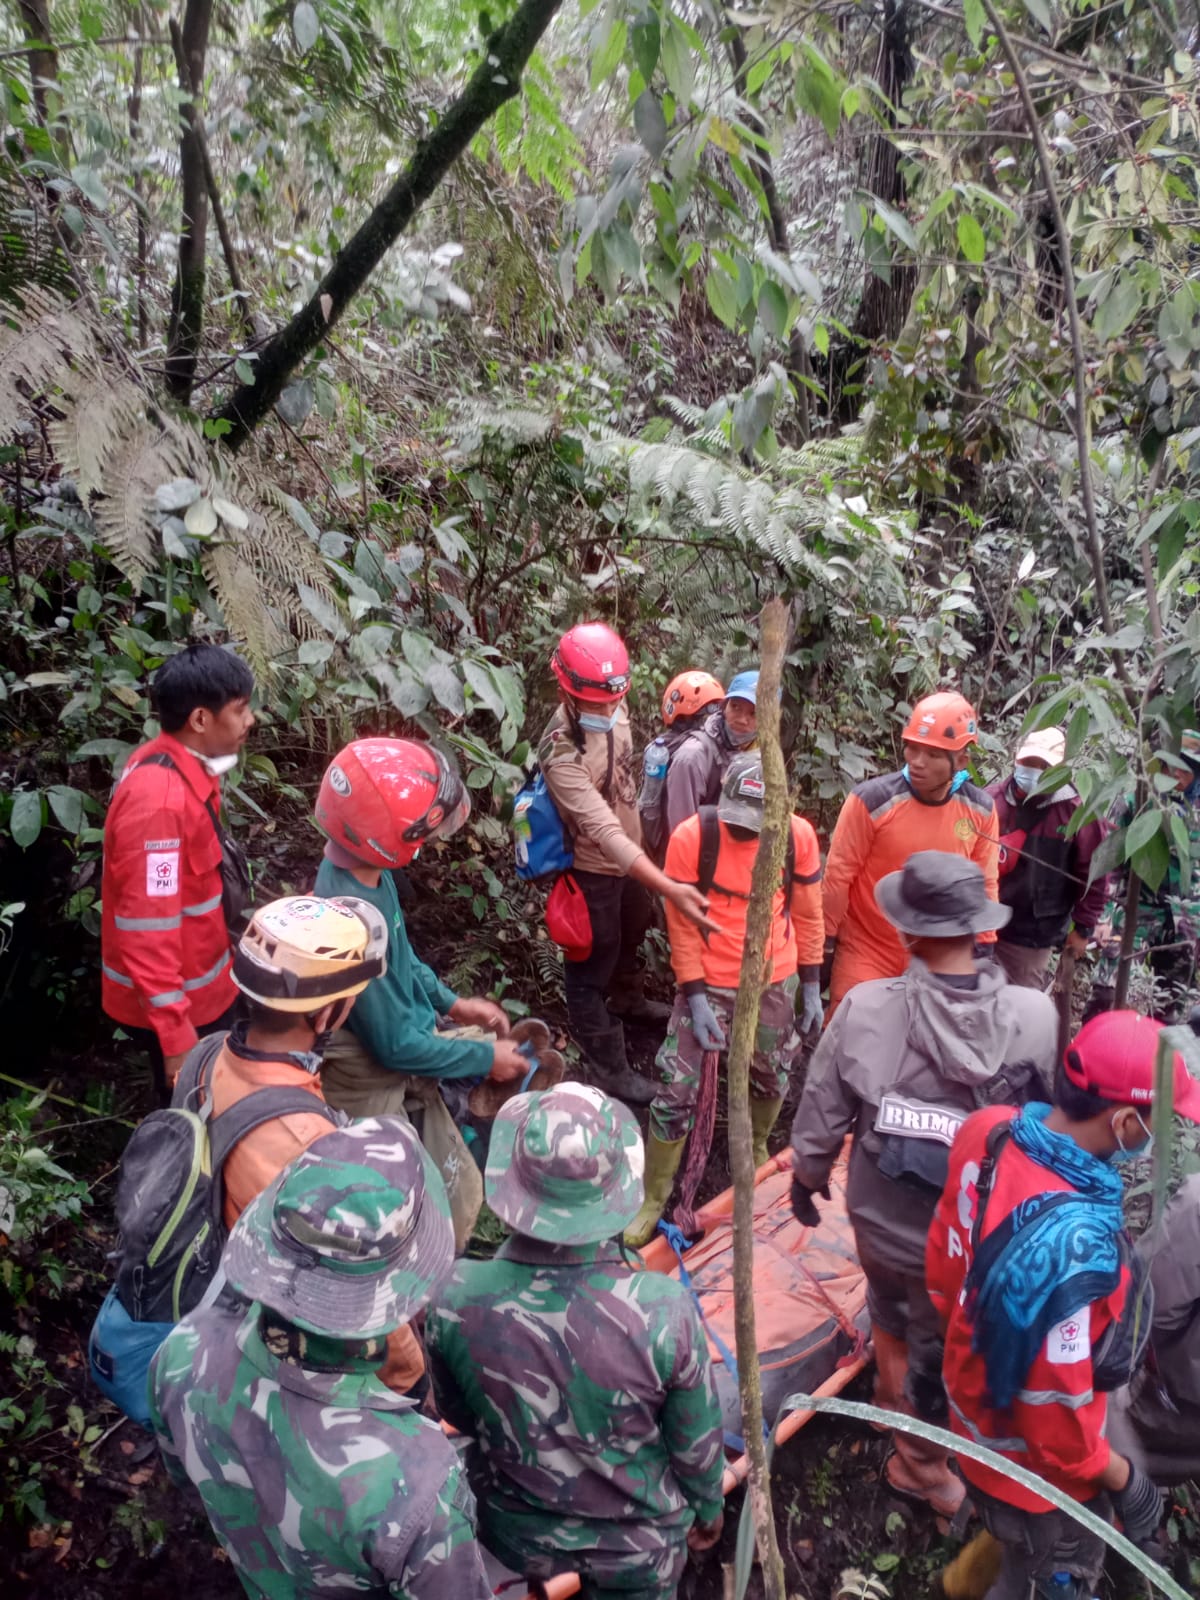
{"x":1051,"y":1255}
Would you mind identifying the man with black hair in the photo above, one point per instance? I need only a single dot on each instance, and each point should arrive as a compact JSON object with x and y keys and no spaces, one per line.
{"x":165,"y":942}
{"x":1033,"y":1276}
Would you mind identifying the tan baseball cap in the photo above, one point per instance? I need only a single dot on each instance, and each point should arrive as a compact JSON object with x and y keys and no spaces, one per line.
{"x":1046,"y":744}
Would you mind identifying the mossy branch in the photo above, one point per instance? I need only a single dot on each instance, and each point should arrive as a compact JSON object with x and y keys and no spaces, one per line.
{"x":768,"y":865}
{"x":495,"y":80}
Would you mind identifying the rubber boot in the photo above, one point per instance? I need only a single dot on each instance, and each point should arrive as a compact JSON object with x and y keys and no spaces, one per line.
{"x":662,"y":1163}
{"x":763,"y":1116}
{"x":627,"y":1000}
{"x":972,"y":1572}
{"x":609,"y":1069}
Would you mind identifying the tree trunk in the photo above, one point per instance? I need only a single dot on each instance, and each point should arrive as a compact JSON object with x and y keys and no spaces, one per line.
{"x":884,"y":305}
{"x":43,"y":62}
{"x":768,"y":865}
{"x":496,"y":80}
{"x":187,"y":296}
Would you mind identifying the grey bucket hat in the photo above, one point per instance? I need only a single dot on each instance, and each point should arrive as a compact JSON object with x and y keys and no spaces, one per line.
{"x":352,"y":1238}
{"x":743,"y":793}
{"x":936,"y":895}
{"x":566,"y":1165}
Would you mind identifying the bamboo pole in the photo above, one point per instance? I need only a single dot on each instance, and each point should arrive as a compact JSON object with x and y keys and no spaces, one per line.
{"x":767,"y":867}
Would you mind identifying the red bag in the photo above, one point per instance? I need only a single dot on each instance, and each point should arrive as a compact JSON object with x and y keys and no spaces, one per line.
{"x":568,"y":920}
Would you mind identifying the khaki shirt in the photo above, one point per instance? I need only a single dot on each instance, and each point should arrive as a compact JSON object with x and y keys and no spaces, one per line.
{"x":595,"y":789}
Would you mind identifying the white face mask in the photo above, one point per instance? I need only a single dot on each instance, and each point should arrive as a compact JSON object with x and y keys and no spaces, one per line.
{"x":1026,"y":778}
{"x":218,"y":766}
{"x":594,"y":722}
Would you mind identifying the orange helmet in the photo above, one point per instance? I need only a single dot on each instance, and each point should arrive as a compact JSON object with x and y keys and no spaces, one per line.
{"x":688,"y":693}
{"x":381,"y":799}
{"x":946,"y":721}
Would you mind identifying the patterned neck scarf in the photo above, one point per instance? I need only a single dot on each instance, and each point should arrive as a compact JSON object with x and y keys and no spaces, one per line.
{"x":1052,"y":1254}
{"x":315,"y":1351}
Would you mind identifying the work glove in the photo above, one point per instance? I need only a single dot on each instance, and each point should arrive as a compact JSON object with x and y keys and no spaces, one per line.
{"x":1139,"y":1506}
{"x":812,"y":1013}
{"x":802,"y":1203}
{"x":707,"y":1029}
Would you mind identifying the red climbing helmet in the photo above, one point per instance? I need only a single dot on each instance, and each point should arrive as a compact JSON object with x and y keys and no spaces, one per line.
{"x":946,"y":721}
{"x":688,"y":693}
{"x":381,"y":799}
{"x":591,"y":662}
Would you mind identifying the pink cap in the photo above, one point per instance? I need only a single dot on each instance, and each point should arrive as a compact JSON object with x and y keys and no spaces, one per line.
{"x":1113,"y":1056}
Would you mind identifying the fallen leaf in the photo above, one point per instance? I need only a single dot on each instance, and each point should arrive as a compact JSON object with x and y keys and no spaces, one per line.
{"x":127,"y":1447}
{"x":63,"y":1547}
{"x":142,"y":1475}
{"x":41,"y":1538}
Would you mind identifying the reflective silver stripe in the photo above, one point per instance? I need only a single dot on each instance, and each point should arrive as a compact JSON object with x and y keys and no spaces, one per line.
{"x":147,"y":924}
{"x":116,"y":977}
{"x":207,"y":977}
{"x":1056,"y":1397}
{"x":203,"y":908}
{"x":169,"y":997}
{"x":1012,"y":1446}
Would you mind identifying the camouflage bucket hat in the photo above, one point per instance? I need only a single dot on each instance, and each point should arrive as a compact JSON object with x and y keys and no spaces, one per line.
{"x":352,"y":1239}
{"x":565,"y":1165}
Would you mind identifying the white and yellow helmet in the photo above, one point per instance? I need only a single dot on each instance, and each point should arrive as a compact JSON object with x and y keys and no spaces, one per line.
{"x":300,"y":953}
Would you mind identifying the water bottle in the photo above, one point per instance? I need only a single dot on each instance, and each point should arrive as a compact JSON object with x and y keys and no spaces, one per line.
{"x":654,"y":774}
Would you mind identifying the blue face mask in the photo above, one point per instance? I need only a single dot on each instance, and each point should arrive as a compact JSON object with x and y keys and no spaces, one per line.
{"x":1121,"y":1153}
{"x":1026,"y":778}
{"x":739,"y":741}
{"x":593,"y":722}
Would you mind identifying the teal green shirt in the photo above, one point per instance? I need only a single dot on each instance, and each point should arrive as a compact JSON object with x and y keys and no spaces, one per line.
{"x":396,"y":1016}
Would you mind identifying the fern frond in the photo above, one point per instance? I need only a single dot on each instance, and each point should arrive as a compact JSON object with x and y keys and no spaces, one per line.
{"x":136,"y":465}
{"x":40,"y":343}
{"x":98,"y":414}
{"x":244,"y":604}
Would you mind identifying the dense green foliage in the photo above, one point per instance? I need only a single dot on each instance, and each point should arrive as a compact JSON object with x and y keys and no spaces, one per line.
{"x":725,"y":302}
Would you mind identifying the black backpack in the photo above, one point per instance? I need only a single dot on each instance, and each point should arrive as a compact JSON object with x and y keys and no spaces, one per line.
{"x":710,"y":849}
{"x":170,"y":1197}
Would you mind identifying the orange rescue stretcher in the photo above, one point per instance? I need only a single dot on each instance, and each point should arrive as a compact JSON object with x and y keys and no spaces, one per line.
{"x":810,"y":1304}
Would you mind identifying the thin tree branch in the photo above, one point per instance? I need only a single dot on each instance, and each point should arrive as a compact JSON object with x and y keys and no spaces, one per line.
{"x":1079,"y":359}
{"x":764,"y":885}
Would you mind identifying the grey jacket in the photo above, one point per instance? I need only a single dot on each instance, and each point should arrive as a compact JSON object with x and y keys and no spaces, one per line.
{"x":902,"y":1064}
{"x":1158,"y":1420}
{"x":694,"y":776}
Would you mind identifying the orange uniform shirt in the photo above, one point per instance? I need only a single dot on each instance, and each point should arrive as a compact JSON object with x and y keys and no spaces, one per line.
{"x":881,"y":825}
{"x":797,"y":935}
{"x":257,"y":1160}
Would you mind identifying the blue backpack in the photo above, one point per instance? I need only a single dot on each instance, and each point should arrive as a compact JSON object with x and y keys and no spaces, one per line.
{"x":170,"y":1212}
{"x":543,"y":845}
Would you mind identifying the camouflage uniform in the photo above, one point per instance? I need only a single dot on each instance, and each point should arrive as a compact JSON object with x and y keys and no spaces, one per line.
{"x":317,"y":1479}
{"x":680,"y":1056}
{"x":584,"y":1381}
{"x":1166,"y":942}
